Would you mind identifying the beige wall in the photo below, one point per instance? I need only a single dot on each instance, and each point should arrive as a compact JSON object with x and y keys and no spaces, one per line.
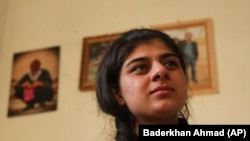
{"x":43,"y":23}
{"x":3,"y":13}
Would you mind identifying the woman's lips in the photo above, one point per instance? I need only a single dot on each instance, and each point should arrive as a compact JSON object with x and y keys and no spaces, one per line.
{"x":162,"y":89}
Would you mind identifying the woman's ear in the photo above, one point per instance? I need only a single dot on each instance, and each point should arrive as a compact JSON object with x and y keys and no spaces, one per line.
{"x":119,"y":98}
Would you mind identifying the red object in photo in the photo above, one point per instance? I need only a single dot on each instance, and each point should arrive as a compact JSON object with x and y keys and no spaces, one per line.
{"x":28,"y":94}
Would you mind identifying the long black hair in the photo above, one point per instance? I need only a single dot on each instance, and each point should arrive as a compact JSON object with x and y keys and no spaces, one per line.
{"x":108,"y":76}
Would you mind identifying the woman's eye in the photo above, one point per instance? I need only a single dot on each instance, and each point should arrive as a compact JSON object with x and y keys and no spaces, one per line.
{"x":171,"y":64}
{"x":139,"y":68}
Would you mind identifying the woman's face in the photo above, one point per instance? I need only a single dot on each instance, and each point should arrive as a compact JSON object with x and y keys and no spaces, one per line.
{"x":152,"y":83}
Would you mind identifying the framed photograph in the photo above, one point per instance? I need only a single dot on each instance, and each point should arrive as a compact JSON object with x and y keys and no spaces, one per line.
{"x":93,"y":50}
{"x":34,"y":82}
{"x":195,"y":39}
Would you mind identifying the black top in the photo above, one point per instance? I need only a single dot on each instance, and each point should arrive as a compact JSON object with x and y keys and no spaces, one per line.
{"x":183,"y":121}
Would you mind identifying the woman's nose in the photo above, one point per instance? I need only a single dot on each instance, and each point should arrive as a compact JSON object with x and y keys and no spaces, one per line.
{"x":159,"y":72}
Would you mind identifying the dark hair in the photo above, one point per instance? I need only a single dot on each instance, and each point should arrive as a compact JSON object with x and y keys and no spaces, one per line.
{"x":108,"y":76}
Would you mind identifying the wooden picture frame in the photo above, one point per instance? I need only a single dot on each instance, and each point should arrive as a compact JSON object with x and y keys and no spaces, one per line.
{"x":206,"y":63}
{"x":93,"y":50}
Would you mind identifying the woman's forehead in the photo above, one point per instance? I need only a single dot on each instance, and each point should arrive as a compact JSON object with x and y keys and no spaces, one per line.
{"x":152,"y":47}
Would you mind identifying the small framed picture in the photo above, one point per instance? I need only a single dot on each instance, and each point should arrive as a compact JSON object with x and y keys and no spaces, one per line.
{"x":93,"y":50}
{"x":195,"y":39}
{"x":34,"y":81}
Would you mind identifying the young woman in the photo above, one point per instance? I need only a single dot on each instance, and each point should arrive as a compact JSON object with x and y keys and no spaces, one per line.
{"x":141,"y":80}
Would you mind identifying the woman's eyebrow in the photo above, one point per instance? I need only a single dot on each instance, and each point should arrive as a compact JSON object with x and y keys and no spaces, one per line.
{"x":166,"y":55}
{"x":139,"y":59}
{"x":143,"y":59}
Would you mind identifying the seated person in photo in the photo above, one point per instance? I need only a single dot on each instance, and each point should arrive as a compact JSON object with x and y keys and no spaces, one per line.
{"x":35,"y":86}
